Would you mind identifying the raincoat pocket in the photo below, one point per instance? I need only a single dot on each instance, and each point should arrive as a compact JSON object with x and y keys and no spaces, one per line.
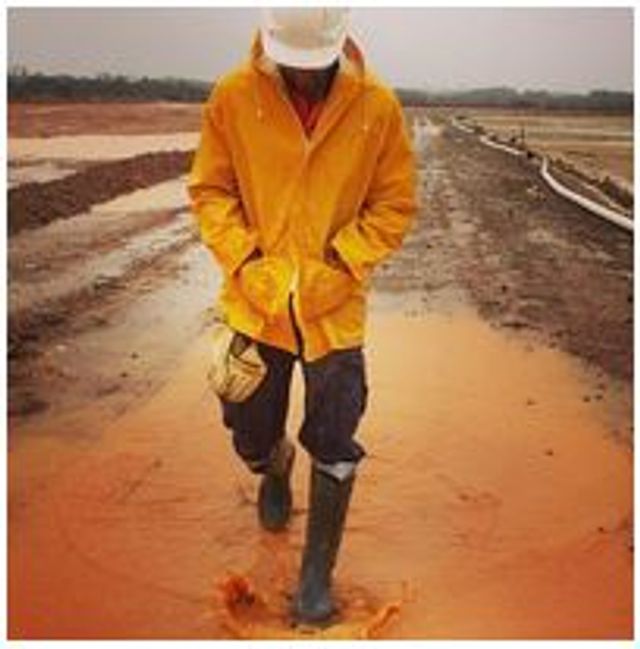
{"x":266,"y":283}
{"x":323,"y":288}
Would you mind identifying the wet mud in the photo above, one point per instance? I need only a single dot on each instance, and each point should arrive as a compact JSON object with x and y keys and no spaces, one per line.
{"x":512,"y":522}
{"x":36,"y":204}
{"x":496,"y":500}
{"x":249,"y":616}
{"x":491,"y":231}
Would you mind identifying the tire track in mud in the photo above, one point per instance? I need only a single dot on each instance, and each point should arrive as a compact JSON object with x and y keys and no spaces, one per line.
{"x":82,"y":279}
{"x":109,"y":347}
{"x":491,"y":233}
{"x":77,"y":297}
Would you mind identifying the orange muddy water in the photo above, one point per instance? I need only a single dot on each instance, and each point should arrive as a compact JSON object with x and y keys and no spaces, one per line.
{"x":495,"y":503}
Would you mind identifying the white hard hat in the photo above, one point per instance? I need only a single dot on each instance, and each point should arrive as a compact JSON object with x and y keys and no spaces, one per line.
{"x":309,"y":37}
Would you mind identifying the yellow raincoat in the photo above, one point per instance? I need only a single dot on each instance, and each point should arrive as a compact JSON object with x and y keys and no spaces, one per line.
{"x":258,"y":181}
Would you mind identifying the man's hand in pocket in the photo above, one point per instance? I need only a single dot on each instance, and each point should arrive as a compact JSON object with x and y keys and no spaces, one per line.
{"x":335,"y":260}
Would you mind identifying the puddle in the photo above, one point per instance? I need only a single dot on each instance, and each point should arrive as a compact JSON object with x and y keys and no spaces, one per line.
{"x":494,"y":504}
{"x":97,"y":147}
{"x":166,"y":195}
{"x":38,"y":172}
{"x":249,"y":616}
{"x":121,"y":355}
{"x":445,"y":299}
{"x":50,"y":262}
{"x":96,"y":271}
{"x":423,"y":130}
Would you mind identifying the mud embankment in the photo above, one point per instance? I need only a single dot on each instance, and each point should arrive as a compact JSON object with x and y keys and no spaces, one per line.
{"x":35,"y":204}
{"x":607,"y":189}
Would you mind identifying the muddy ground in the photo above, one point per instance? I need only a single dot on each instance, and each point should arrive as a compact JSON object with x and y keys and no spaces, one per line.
{"x":528,"y":259}
{"x":35,"y":204}
{"x":515,"y":308}
{"x":53,"y":120}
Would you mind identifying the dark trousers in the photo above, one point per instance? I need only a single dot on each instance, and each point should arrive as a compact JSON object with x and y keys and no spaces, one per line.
{"x":335,"y":399}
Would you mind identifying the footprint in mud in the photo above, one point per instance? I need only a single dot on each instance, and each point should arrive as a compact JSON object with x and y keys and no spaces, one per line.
{"x":251,"y":615}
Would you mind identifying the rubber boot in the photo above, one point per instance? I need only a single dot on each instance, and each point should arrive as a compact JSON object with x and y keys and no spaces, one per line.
{"x":328,"y":504}
{"x":274,"y":494}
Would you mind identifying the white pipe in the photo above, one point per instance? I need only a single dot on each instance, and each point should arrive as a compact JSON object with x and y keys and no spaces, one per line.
{"x":502,"y":147}
{"x":593,"y":207}
{"x":459,"y":125}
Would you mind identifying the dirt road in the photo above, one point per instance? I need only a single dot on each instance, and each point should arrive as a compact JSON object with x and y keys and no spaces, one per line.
{"x":496,"y":501}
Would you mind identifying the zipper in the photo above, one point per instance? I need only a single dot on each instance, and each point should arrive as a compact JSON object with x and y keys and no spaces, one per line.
{"x":293,"y":286}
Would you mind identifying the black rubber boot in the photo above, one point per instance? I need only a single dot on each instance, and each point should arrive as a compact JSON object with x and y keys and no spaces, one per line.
{"x":328,"y":504}
{"x":274,"y":495}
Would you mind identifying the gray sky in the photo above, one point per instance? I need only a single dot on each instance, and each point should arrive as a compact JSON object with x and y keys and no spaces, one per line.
{"x":566,"y":49}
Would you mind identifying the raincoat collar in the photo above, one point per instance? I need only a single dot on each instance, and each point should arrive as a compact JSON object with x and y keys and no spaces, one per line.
{"x":348,"y":84}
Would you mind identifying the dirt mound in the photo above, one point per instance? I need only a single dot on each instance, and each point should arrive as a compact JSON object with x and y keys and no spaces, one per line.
{"x":35,"y":204}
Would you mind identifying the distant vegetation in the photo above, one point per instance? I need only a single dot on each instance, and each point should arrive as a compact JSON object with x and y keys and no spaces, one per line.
{"x":508,"y":97}
{"x":37,"y":87}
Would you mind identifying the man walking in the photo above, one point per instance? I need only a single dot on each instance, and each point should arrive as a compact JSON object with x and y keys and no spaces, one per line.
{"x":303,"y":181}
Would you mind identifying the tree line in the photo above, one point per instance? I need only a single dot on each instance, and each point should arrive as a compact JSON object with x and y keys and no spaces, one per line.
{"x":27,"y":86}
{"x":603,"y":100}
{"x":38,"y":87}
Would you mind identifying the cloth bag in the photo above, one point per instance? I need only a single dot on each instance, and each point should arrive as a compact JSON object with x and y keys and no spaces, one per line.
{"x":237,"y":369}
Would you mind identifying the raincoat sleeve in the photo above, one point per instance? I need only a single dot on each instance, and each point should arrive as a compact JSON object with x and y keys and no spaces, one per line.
{"x":389,"y":207}
{"x":214,"y":193}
